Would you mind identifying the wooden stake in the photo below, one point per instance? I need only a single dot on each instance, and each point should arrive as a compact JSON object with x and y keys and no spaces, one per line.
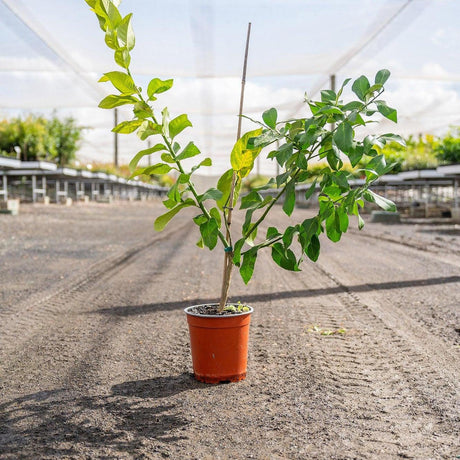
{"x":228,"y":258}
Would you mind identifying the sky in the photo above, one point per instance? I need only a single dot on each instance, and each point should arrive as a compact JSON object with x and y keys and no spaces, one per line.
{"x":52,"y":53}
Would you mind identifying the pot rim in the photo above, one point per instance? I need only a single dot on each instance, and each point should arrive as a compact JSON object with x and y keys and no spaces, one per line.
{"x":217,"y":316}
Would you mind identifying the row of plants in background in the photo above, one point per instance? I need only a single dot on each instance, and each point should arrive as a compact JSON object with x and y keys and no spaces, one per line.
{"x":39,"y":138}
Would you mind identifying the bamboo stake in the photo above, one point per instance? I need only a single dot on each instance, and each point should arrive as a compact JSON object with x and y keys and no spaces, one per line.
{"x":228,"y":258}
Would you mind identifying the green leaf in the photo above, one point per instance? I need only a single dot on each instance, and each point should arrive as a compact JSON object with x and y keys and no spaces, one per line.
{"x":121,"y":81}
{"x":189,"y":151}
{"x":165,"y":122}
{"x":284,"y":153}
{"x":237,"y":251}
{"x":283,"y":257}
{"x":159,"y":168}
{"x":253,"y":198}
{"x":386,"y":111}
{"x":178,"y":124}
{"x":343,"y":137}
{"x":147,"y":128}
{"x":216,"y":215}
{"x":122,"y":57}
{"x":353,"y":105}
{"x":112,"y":101}
{"x":333,"y":227}
{"x":389,"y":137}
{"x":210,"y":194}
{"x":343,"y":219}
{"x":162,"y":221}
{"x":355,"y":154}
{"x":125,"y":33}
{"x":313,"y":248}
{"x":382,"y":76}
{"x":142,"y":110}
{"x":360,"y":87}
{"x":269,"y":117}
{"x":224,"y":185}
{"x":360,"y":222}
{"x":289,"y":198}
{"x":174,"y":193}
{"x":157,"y":86}
{"x":126,"y":127}
{"x":247,"y":267}
{"x":242,"y":158}
{"x":205,"y":162}
{"x":327,"y":95}
{"x":156,"y":148}
{"x":282,"y":178}
{"x":209,"y":232}
{"x":167,"y":158}
{"x":382,"y":202}
{"x":345,"y":83}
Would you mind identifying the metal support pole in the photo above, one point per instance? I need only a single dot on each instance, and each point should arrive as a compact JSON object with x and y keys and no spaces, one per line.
{"x":34,"y":186}
{"x":57,"y":190}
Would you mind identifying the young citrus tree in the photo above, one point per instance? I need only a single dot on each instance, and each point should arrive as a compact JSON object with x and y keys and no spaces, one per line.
{"x":327,"y":132}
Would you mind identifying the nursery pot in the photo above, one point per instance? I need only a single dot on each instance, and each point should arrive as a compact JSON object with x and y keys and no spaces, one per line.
{"x":219,"y":345}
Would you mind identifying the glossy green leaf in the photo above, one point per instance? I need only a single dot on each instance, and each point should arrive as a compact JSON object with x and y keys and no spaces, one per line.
{"x":125,"y":33}
{"x":122,"y":57}
{"x":159,"y":168}
{"x":157,"y":86}
{"x":209,"y":233}
{"x":174,"y":193}
{"x":269,"y":117}
{"x":253,"y":198}
{"x":178,"y":124}
{"x":112,"y":101}
{"x":343,"y":137}
{"x":210,"y":194}
{"x":289,"y":198}
{"x":247,"y":267}
{"x":205,"y":162}
{"x":147,"y":128}
{"x":224,"y":185}
{"x":386,"y":111}
{"x":162,"y":221}
{"x":142,"y":110}
{"x":242,"y":158}
{"x":313,"y":248}
{"x":237,"y":251}
{"x":327,"y":95}
{"x":121,"y":81}
{"x":189,"y":151}
{"x":360,"y":87}
{"x":382,"y":76}
{"x":127,"y":127}
{"x":214,"y":212}
{"x":382,"y":202}
{"x":156,"y":148}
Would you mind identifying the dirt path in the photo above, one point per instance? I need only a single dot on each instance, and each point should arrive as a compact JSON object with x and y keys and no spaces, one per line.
{"x":96,"y":364}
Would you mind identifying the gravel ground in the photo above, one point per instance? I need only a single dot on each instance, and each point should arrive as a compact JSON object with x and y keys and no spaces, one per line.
{"x":356,"y":356}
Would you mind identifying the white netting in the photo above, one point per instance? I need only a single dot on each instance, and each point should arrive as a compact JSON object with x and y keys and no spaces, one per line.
{"x":52,"y":53}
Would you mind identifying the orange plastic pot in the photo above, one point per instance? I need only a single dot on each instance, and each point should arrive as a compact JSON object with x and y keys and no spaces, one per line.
{"x":219,"y":346}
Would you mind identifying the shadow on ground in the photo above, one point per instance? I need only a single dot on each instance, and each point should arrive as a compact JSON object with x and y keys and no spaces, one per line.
{"x":61,"y":423}
{"x":130,"y":310}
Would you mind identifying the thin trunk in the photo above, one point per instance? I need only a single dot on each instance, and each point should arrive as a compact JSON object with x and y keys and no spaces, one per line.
{"x":228,"y":258}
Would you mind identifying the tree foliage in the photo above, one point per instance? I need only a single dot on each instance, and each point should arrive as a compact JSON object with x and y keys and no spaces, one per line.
{"x":294,"y":144}
{"x":38,"y":138}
